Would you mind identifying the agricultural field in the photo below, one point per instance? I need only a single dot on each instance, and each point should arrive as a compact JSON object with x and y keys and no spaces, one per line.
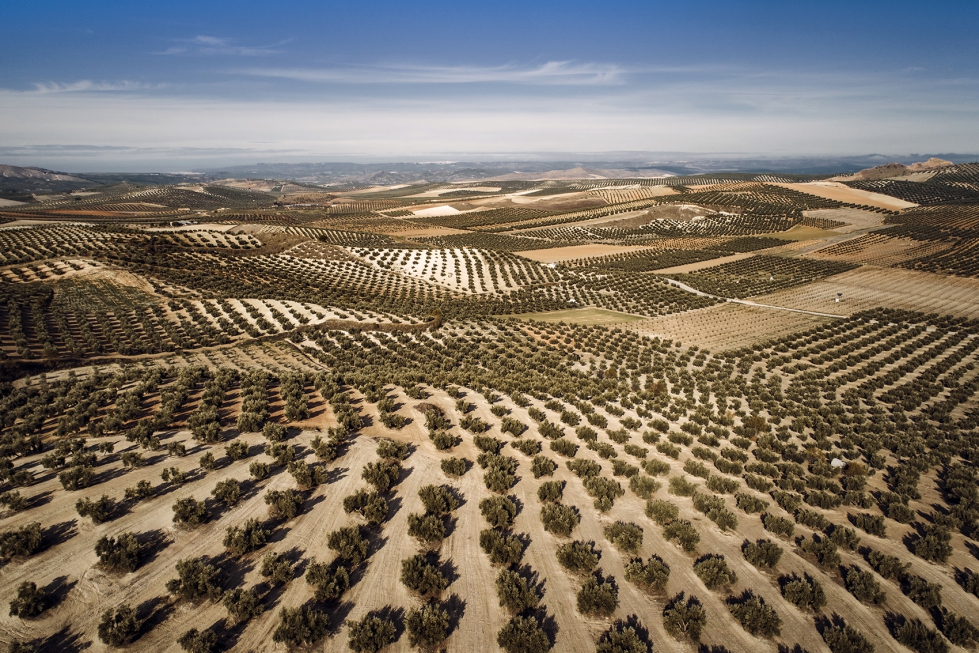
{"x":260,"y":415}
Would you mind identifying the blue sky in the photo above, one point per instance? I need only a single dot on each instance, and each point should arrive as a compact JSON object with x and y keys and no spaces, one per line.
{"x":126,"y":85}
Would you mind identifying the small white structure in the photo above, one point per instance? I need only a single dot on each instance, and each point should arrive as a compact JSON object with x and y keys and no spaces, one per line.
{"x":836,"y":462}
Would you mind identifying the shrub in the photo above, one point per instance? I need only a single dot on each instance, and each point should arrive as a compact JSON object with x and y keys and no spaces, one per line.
{"x":329,"y":581}
{"x":763,"y":553}
{"x":657,"y":468}
{"x":422,"y":576}
{"x":306,"y":476}
{"x":542,"y":466}
{"x":142,"y":490}
{"x":382,"y":475}
{"x":283,"y":504}
{"x":488,"y":444}
{"x":118,"y":554}
{"x":597,"y":598}
{"x":498,"y":511}
{"x":198,"y":641}
{"x":527,"y":447}
{"x":823,"y":550}
{"x":189,"y":511}
{"x":578,"y":557}
{"x":812,"y":519}
{"x":927,"y":595}
{"x":559,"y":519}
{"x":12,"y":500}
{"x":443,"y":440}
{"x":684,"y":619}
{"x":919,"y":637}
{"x":756,"y":617}
{"x":713,"y":570}
{"x":584,"y":468}
{"x":248,"y":537}
{"x":682,"y":533}
{"x":370,"y":634}
{"x":438,"y":499}
{"x":99,"y":511}
{"x":958,"y":630}
{"x":604,"y":490}
{"x":498,"y":479}
{"x":624,"y":536}
{"x":778,"y":525}
{"x":76,"y":478}
{"x":805,"y":593}
{"x":551,"y":491}
{"x":370,"y":505}
{"x":236,"y":450}
{"x":29,"y":602}
{"x":300,"y":626}
{"x":349,"y":544}
{"x":515,"y":593}
{"x":622,"y":638}
{"x":242,"y":605}
{"x":427,"y":626}
{"x":502,"y":549}
{"x":843,"y":537}
{"x":195,"y":580}
{"x":681,"y":487}
{"x":934,"y":544}
{"x":207,"y":461}
{"x":513,"y":427}
{"x":724,"y":486}
{"x":523,"y":635}
{"x":276,"y":568}
{"x":429,"y":530}
{"x":643,"y":486}
{"x":749,"y":503}
{"x":864,"y":586}
{"x":651,"y":576}
{"x":259,"y":470}
{"x":662,"y":512}
{"x":872,"y":524}
{"x":227,"y":492}
{"x":119,"y":626}
{"x":846,"y":639}
{"x":564,"y":447}
{"x":454,"y":466}
{"x":25,"y":541}
{"x":889,"y":567}
{"x":271,"y":431}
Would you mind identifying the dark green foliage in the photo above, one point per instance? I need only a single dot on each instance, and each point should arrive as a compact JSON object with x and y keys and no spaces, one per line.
{"x":429,"y":530}
{"x":564,"y":447}
{"x":872,"y":524}
{"x":513,"y":427}
{"x":454,"y":466}
{"x":515,"y":593}
{"x":382,"y":475}
{"x":777,"y":525}
{"x":438,"y":499}
{"x":762,"y":554}
{"x":805,"y":593}
{"x":846,"y":639}
{"x":822,"y":550}
{"x":726,"y":486}
{"x":662,"y":512}
{"x":584,"y":468}
{"x":889,"y":567}
{"x":329,"y":581}
{"x":812,"y":519}
{"x":119,"y":626}
{"x":100,"y":510}
{"x":713,"y":506}
{"x":527,"y":447}
{"x":604,"y":490}
{"x":681,"y":487}
{"x":76,"y":478}
{"x":684,"y":619}
{"x":542,"y":466}
{"x":189,"y":511}
{"x":142,"y":490}
{"x":370,"y":505}
{"x":207,"y":461}
{"x":756,"y":617}
{"x":624,"y":536}
{"x":919,"y":637}
{"x":29,"y":602}
{"x":236,"y":450}
{"x":927,"y":595}
{"x":498,"y":511}
{"x":242,"y":605}
{"x":559,"y":519}
{"x":651,"y":576}
{"x":523,"y":635}
{"x":259,"y":470}
{"x":843,"y":537}
{"x":551,"y":491}
{"x":501,"y":548}
{"x":714,"y":571}
{"x":622,"y":638}
{"x":421,"y":575}
{"x":959,"y":630}
{"x":427,"y":626}
{"x":370,"y":634}
{"x":276,"y":568}
{"x":643,"y":486}
{"x":488,"y":444}
{"x":349,"y":544}
{"x":248,"y":537}
{"x":578,"y":557}
{"x":749,"y":503}
{"x":25,"y":541}
{"x":118,"y":553}
{"x":227,"y":492}
{"x":283,"y":504}
{"x":657,"y":468}
{"x":199,"y":641}
{"x":934,"y":544}
{"x":299,"y":626}
{"x":683,"y":534}
{"x":307,"y":476}
{"x":196,"y":580}
{"x":597,"y":597}
{"x":12,"y":500}
{"x":864,"y":586}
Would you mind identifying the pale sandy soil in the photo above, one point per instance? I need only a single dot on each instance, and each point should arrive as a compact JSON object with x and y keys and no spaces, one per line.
{"x":6,"y":202}
{"x":435,"y":211}
{"x":575,"y":252}
{"x":204,"y":226}
{"x":855,"y":218}
{"x":869,"y":287}
{"x":440,"y":191}
{"x":843,"y":193}
{"x":429,"y":231}
{"x":726,"y":326}
{"x":693,"y":267}
{"x":878,"y":249}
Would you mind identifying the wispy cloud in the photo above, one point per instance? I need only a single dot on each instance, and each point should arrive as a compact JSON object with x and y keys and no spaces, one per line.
{"x":88,"y":86}
{"x":550,"y":73}
{"x":214,"y":45}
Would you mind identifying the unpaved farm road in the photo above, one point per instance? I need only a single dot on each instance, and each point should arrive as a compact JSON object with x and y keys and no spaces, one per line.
{"x":683,"y":286}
